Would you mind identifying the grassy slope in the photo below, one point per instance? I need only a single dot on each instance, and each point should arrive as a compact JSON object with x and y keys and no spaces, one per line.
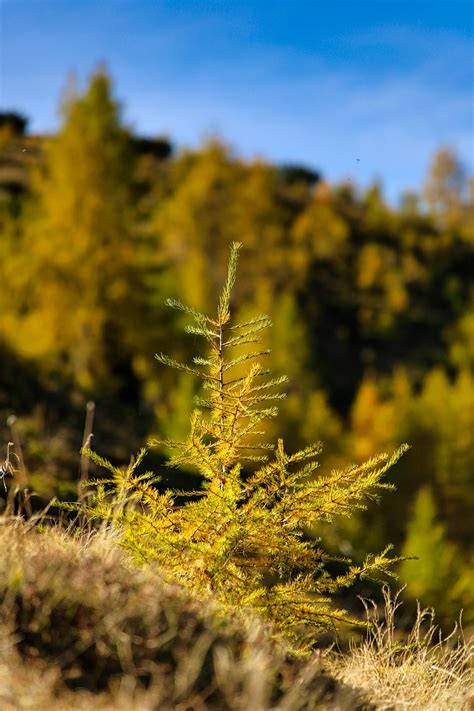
{"x":81,"y":627}
{"x":86,"y":621}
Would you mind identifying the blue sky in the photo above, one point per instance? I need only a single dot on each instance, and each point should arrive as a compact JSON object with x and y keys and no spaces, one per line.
{"x":309,"y":81}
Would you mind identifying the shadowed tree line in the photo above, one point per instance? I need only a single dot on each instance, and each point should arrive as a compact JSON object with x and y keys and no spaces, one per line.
{"x":372,"y":308}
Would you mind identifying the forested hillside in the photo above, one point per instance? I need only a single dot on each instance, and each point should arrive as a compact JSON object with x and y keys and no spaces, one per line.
{"x":372,"y":308}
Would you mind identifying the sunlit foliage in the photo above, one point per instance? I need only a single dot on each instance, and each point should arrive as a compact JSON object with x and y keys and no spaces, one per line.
{"x":374,"y":302}
{"x":241,"y":536}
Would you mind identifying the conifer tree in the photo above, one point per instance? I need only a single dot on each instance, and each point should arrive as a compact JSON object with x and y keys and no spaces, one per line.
{"x":445,"y":185}
{"x":77,"y":252}
{"x":442,"y":574}
{"x":242,"y":536}
{"x":426,"y":540}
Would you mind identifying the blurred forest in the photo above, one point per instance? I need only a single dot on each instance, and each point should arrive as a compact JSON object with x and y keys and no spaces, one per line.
{"x":372,"y":306}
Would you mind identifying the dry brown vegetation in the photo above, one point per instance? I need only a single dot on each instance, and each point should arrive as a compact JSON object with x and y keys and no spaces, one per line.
{"x":422,"y":670}
{"x":82,"y":627}
{"x":80,"y":622}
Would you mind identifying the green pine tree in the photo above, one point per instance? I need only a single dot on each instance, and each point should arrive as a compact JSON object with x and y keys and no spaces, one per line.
{"x":426,"y":540}
{"x":241,"y":535}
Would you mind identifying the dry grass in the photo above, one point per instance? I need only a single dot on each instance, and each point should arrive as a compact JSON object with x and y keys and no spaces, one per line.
{"x":82,"y":628}
{"x":423,"y":672}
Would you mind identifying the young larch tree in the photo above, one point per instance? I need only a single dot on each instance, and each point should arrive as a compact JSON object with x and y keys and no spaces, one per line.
{"x":242,"y":536}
